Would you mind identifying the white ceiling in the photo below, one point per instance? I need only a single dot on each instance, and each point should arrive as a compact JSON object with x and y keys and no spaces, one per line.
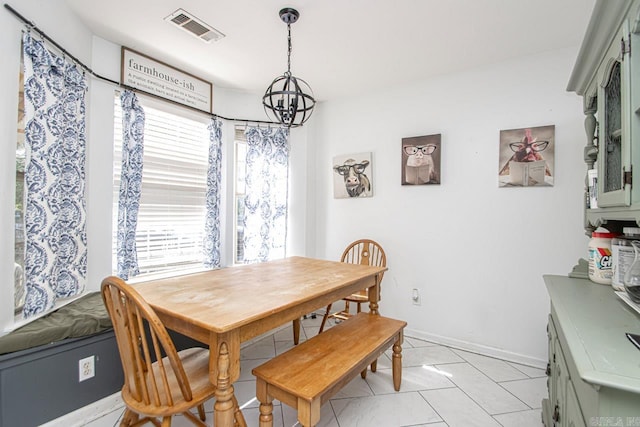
{"x":340,"y":47}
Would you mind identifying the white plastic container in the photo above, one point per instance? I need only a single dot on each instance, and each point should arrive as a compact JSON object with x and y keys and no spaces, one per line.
{"x":600,"y":262}
{"x":622,"y":254}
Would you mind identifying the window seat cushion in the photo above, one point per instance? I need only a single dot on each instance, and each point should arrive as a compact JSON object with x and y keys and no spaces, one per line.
{"x":83,"y":317}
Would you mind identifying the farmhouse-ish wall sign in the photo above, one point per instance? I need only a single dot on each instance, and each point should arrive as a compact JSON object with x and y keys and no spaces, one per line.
{"x":156,"y":78}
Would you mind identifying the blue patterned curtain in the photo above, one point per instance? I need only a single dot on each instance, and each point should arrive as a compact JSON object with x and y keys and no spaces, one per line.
{"x":265,"y":220}
{"x":130,"y":184}
{"x":55,"y":219}
{"x":211,"y":244}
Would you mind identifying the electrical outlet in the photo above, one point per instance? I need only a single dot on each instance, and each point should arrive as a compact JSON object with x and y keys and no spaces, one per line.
{"x":86,"y":368}
{"x":415,"y":296}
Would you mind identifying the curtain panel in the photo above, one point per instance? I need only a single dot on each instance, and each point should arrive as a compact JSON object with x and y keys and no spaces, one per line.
{"x":266,"y":194}
{"x":55,"y":149}
{"x":130,"y":184}
{"x":211,"y":244}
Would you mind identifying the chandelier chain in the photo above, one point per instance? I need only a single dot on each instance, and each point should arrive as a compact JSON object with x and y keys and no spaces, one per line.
{"x":289,"y":50}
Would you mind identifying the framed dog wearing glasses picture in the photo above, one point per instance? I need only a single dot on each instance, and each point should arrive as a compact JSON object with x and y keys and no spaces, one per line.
{"x":527,"y":157}
{"x":421,"y":160}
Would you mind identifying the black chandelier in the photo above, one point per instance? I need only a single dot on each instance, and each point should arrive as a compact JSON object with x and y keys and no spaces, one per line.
{"x":289,"y":99}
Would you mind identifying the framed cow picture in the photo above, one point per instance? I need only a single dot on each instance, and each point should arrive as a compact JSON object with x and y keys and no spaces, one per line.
{"x":527,"y":157}
{"x":352,"y":176}
{"x":421,"y":160}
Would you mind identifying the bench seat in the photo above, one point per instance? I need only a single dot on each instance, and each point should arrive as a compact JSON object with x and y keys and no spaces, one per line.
{"x":307,"y":375}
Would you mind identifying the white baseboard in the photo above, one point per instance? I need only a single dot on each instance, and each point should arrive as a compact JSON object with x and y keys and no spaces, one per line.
{"x":478,"y":348}
{"x":87,"y":414}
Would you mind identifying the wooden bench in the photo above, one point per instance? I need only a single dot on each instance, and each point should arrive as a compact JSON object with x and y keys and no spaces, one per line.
{"x":306,"y":376}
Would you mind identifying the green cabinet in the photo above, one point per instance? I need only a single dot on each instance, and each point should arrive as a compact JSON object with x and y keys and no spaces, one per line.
{"x":607,"y":76}
{"x":594,"y":370}
{"x":562,"y":407}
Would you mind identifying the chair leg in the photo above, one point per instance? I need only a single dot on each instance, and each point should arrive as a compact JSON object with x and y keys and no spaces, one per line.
{"x":324,"y":318}
{"x":146,"y":420}
{"x":238,"y":417}
{"x":188,"y":415}
{"x":201,"y":413}
{"x":374,"y":365}
{"x":166,"y":422}
{"x":296,"y":331}
{"x":129,"y":418}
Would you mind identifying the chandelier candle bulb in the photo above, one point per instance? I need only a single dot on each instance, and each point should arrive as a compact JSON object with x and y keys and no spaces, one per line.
{"x":600,"y":262}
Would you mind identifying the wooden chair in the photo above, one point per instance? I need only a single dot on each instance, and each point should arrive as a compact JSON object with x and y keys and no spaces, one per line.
{"x":363,"y":251}
{"x":170,"y":385}
{"x":366,"y":252}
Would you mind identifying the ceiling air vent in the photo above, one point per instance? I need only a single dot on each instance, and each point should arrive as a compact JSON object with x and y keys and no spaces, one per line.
{"x":194,"y":26}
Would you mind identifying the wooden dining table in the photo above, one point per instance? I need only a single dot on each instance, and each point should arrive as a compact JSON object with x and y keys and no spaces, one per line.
{"x":225,"y":307}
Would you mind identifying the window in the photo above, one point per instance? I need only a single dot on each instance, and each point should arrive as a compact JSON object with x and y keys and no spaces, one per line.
{"x":240,"y":173}
{"x":19,"y":252}
{"x":261,"y":186}
{"x":171,"y":217}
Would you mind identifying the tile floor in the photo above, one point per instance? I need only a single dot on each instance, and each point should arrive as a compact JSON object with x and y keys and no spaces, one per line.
{"x":441,"y":387}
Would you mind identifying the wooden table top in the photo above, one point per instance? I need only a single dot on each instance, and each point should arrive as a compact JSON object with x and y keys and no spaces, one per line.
{"x":229,"y":298}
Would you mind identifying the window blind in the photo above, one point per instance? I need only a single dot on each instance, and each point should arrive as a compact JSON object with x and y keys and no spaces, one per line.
{"x":172,"y":204}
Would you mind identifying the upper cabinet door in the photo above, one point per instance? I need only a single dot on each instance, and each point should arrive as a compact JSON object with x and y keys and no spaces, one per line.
{"x":614,"y":156}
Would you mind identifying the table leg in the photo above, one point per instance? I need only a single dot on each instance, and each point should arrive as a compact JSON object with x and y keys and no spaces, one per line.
{"x":226,"y":412}
{"x":296,"y":331}
{"x":374,"y":296}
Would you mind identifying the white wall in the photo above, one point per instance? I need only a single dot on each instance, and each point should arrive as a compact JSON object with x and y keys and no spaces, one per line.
{"x":475,"y":251}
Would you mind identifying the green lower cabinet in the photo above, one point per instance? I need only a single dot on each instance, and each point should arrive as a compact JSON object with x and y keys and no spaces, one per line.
{"x":565,"y":409}
{"x":593,"y":371}
{"x":572,"y":409}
